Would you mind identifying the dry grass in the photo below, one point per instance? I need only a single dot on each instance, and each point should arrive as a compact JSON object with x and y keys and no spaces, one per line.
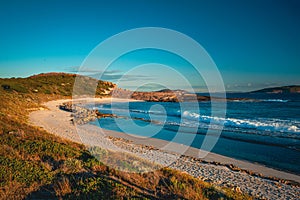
{"x":13,"y":190}
{"x":62,"y":187}
{"x":123,"y":161}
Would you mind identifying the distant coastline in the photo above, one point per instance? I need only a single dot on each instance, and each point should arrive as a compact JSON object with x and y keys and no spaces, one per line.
{"x":280,"y":90}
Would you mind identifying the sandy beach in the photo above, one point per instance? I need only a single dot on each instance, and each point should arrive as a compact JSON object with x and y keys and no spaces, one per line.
{"x":213,"y":168}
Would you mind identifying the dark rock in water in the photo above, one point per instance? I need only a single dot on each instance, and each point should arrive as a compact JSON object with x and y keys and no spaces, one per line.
{"x":103,"y":115}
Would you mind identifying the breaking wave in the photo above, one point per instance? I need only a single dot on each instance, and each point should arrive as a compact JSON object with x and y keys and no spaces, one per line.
{"x":275,"y":100}
{"x":257,"y":124}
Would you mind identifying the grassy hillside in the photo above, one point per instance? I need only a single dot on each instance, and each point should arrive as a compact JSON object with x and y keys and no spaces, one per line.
{"x":37,"y":165}
{"x":56,"y":83}
{"x":283,"y":89}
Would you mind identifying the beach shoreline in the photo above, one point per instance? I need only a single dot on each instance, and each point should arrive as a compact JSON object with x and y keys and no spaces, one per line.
{"x":215,"y":168}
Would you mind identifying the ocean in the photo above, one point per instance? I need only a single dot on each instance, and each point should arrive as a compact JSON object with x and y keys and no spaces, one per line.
{"x":265,"y":130}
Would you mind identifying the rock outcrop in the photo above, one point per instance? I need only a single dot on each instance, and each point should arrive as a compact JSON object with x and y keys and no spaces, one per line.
{"x":82,"y":115}
{"x":166,"y":95}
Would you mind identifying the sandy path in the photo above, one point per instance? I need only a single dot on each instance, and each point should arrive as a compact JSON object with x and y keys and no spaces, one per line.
{"x":58,"y":122}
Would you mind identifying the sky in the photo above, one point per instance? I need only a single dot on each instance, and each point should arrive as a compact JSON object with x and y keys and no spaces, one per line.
{"x":254,"y":44}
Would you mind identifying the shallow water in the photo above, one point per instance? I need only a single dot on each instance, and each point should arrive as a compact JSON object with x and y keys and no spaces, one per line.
{"x":266,"y":130}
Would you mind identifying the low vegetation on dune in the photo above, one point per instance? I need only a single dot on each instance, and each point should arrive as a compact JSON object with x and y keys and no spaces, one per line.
{"x":57,"y":84}
{"x":35,"y":164}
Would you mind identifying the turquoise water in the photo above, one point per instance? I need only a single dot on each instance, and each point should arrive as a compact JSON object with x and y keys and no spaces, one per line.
{"x":265,"y":131}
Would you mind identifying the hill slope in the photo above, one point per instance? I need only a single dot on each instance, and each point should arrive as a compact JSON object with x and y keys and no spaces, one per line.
{"x":283,"y":89}
{"x":57,"y":83}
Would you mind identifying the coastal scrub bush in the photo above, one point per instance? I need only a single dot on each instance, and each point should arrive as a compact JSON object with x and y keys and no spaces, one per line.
{"x":14,"y":86}
{"x":23,"y":171}
{"x":72,"y":165}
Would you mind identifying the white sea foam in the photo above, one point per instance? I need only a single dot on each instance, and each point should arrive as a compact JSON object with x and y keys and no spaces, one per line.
{"x":205,"y":121}
{"x":258,"y":124}
{"x":276,"y":100}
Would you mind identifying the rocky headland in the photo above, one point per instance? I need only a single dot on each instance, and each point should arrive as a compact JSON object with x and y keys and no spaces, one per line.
{"x":280,"y":90}
{"x":167,"y":95}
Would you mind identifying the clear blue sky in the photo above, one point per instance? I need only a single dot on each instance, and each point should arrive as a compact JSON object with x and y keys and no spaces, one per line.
{"x":254,"y":43}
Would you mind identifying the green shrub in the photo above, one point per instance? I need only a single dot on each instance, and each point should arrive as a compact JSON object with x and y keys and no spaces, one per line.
{"x":23,"y":171}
